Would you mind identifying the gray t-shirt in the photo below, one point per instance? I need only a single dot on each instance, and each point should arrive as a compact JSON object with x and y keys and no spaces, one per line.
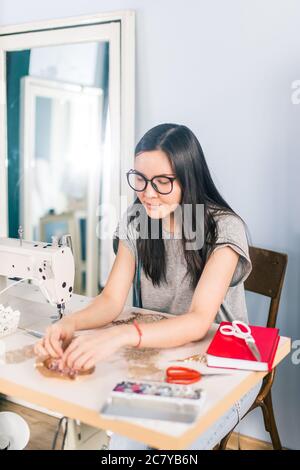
{"x":175,"y":296}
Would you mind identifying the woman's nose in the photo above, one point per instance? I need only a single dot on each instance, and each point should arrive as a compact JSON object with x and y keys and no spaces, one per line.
{"x":150,"y":191}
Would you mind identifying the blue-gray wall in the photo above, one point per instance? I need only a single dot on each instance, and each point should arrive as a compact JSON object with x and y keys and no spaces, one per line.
{"x":225,"y":68}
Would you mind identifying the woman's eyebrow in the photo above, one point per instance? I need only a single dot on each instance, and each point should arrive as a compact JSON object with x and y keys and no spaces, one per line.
{"x":159,"y":174}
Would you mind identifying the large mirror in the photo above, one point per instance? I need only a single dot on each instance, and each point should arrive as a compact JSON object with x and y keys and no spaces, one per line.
{"x":68,"y":127}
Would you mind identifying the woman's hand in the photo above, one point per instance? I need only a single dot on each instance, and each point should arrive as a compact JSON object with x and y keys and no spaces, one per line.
{"x":86,"y":350}
{"x":57,"y":337}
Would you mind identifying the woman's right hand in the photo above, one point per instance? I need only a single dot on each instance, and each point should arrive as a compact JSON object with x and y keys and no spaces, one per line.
{"x":56,"y":339}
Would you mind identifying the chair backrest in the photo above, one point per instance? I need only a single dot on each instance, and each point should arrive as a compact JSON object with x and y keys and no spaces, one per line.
{"x":266,"y":278}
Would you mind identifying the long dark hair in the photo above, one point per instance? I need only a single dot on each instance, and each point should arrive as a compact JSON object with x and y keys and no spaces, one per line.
{"x":188,"y":162}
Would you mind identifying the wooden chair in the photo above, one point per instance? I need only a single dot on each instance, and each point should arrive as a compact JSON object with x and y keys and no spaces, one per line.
{"x":266,"y":278}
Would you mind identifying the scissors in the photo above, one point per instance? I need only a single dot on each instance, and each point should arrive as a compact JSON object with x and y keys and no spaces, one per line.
{"x":182,"y":375}
{"x":239,"y":329}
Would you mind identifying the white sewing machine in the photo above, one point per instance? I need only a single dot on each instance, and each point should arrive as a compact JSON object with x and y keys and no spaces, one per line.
{"x":51,"y":266}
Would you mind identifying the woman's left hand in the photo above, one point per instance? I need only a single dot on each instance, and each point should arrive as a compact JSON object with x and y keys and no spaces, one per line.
{"x":88,"y":349}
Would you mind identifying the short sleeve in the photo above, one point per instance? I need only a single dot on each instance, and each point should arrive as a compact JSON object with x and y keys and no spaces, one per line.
{"x":126,"y":232}
{"x":232,"y":233}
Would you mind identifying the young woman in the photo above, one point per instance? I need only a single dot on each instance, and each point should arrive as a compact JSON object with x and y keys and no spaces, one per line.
{"x":198,"y":284}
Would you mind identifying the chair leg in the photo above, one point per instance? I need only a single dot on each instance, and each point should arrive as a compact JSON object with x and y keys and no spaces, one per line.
{"x":224,"y":441}
{"x":270,"y":423}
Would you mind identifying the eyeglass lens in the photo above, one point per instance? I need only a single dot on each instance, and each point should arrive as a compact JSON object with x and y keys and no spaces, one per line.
{"x":162,"y":184}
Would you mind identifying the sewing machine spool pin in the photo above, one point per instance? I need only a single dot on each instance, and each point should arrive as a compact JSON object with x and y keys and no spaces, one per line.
{"x":20,"y":233}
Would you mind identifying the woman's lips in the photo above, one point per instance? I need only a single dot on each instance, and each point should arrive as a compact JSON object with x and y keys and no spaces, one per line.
{"x":153,"y":206}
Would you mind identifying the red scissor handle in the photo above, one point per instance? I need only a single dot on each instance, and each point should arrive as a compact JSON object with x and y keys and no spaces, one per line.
{"x":182,"y":375}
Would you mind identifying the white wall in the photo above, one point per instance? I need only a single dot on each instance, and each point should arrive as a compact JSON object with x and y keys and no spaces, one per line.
{"x":225,"y":68}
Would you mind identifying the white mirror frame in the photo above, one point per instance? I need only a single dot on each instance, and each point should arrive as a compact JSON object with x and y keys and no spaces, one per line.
{"x":118,"y":28}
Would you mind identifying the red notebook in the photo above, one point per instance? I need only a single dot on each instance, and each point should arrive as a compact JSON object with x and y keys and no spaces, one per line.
{"x":233,"y":353}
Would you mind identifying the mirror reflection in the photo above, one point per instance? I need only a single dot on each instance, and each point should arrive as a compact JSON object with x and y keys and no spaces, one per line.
{"x":58,"y":143}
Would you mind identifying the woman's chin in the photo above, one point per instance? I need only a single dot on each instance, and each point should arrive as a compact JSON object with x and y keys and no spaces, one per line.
{"x":154,"y":214}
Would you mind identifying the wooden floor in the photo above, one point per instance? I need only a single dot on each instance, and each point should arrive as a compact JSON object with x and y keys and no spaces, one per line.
{"x":43,"y":428}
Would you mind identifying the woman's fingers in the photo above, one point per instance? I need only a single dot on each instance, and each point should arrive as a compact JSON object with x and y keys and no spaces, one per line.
{"x":51,"y":344}
{"x":49,"y":347}
{"x":74,"y":351}
{"x":74,"y":344}
{"x":73,"y":357}
{"x":89,"y":364}
{"x":39,"y":349}
{"x":80,"y":362}
{"x":54,"y":341}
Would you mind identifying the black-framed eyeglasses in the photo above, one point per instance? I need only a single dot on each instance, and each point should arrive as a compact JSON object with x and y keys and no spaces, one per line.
{"x":162,"y":184}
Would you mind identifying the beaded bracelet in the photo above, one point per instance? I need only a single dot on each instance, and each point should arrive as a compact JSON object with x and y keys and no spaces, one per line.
{"x":135,"y":323}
